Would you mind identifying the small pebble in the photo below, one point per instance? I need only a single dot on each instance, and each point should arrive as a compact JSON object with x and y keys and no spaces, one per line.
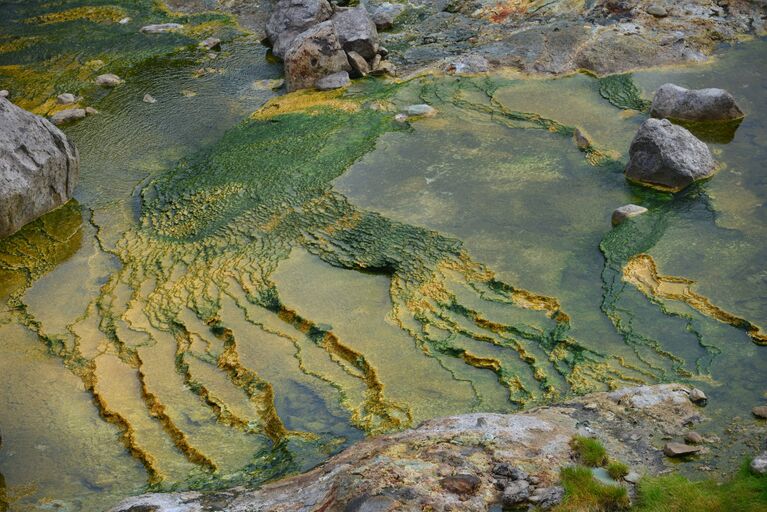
{"x":148,"y":98}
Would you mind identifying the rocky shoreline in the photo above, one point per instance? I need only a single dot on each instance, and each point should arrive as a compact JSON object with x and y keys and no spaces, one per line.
{"x":475,"y":461}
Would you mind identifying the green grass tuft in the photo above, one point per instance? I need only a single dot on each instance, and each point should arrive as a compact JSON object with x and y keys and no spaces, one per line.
{"x":617,"y":470}
{"x":585,"y":494}
{"x":745,"y":492}
{"x":590,"y":451}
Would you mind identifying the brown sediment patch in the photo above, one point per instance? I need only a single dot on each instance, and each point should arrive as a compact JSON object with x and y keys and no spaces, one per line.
{"x":642,"y":272}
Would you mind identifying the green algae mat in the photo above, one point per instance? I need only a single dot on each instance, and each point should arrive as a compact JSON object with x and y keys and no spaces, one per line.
{"x":246,"y":283}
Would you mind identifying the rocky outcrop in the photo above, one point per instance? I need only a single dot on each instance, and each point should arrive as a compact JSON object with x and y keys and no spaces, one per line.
{"x":356,"y":31}
{"x":292,"y":17}
{"x":314,"y":54}
{"x":668,"y":157}
{"x":39,"y":167}
{"x":674,"y":102}
{"x":465,"y":462}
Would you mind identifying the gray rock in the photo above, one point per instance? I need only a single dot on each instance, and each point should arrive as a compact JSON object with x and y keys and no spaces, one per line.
{"x":4,"y":93}
{"x":90,"y":111}
{"x":124,"y":21}
{"x":161,"y":28}
{"x":108,"y":80}
{"x":65,"y":99}
{"x":148,"y":98}
{"x":505,"y":470}
{"x":334,"y":81}
{"x":359,"y":65}
{"x":679,"y":449}
{"x":292,"y":17}
{"x":385,"y":14}
{"x":356,"y":31}
{"x":68,"y":115}
{"x":674,"y":102}
{"x":633,"y":477}
{"x":760,"y":411}
{"x":667,"y":156}
{"x":211,"y":43}
{"x":546,"y":498}
{"x":39,"y":167}
{"x":466,"y":64}
{"x":314,"y":54}
{"x":626,"y":212}
{"x":697,"y":396}
{"x":694,"y":438}
{"x":421,"y":109}
{"x":516,"y":492}
{"x":759,"y":464}
{"x":657,"y":10}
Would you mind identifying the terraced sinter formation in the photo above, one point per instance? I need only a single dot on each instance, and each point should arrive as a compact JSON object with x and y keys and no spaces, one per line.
{"x":319,"y":271}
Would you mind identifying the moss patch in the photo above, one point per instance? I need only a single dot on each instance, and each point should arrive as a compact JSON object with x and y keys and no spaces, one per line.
{"x":590,"y":451}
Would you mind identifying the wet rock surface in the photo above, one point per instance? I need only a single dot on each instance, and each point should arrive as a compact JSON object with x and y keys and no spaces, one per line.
{"x":467,"y":462}
{"x":626,"y":212}
{"x":39,"y":167}
{"x":314,"y":54}
{"x":674,"y":102}
{"x":667,"y":156}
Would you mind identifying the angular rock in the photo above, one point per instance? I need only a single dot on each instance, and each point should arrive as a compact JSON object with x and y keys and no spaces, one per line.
{"x":626,"y":212}
{"x":674,"y":102}
{"x":759,"y":464}
{"x":760,"y":411}
{"x":462,"y":484}
{"x":667,"y":156}
{"x":39,"y":167}
{"x":356,"y":31}
{"x":108,"y":80}
{"x":697,"y":396}
{"x":506,"y":470}
{"x":546,"y":498}
{"x":359,"y":64}
{"x":292,"y":17}
{"x":385,"y":14}
{"x":314,"y":54}
{"x":65,"y":99}
{"x":161,"y":28}
{"x":516,"y":492}
{"x":334,"y":81}
{"x":211,"y":43}
{"x":679,"y":449}
{"x":68,"y":115}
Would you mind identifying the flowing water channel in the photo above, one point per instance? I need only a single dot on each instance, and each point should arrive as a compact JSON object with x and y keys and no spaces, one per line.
{"x":235,"y":296}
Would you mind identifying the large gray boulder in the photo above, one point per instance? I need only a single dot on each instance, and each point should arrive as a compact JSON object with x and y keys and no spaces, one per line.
{"x":314,"y":54}
{"x":674,"y":102}
{"x":39,"y":167}
{"x":357,"y":32}
{"x":292,"y":17}
{"x":666,"y":156}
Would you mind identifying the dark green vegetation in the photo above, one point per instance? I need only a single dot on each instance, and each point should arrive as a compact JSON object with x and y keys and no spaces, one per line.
{"x":622,"y":92}
{"x":617,"y":470}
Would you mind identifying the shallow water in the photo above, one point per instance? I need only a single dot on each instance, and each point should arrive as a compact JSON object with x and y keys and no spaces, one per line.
{"x":305,"y":278}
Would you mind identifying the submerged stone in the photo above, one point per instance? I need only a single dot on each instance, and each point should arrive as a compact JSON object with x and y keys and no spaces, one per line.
{"x":421,"y":109}
{"x":668,"y":157}
{"x":108,"y":80}
{"x":759,"y":464}
{"x":65,"y":98}
{"x":68,"y":115}
{"x":161,"y":28}
{"x":760,"y":411}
